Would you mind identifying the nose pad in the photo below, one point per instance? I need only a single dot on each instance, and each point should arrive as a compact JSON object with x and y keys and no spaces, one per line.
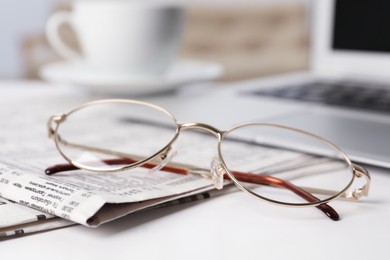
{"x":217,"y":171}
{"x":166,"y":158}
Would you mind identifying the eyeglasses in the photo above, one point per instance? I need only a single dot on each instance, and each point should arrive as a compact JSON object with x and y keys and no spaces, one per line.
{"x":275,"y":163}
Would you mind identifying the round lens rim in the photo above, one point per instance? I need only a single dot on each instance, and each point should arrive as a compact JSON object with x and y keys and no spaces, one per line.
{"x":56,"y":136}
{"x":290,"y":204}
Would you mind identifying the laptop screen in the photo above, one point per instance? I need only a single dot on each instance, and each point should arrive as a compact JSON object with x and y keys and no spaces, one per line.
{"x":361,"y":25}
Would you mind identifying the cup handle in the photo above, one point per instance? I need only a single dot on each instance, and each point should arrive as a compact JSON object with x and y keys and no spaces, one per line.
{"x":54,"y":38}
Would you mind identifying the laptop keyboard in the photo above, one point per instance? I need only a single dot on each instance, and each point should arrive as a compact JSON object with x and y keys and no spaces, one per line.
{"x":345,"y":94}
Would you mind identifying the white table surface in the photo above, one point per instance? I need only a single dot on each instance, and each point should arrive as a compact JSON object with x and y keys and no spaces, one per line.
{"x":232,"y":226}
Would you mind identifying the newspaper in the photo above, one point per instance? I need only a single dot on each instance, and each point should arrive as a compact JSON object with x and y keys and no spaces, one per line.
{"x":17,"y":219}
{"x":32,"y":201}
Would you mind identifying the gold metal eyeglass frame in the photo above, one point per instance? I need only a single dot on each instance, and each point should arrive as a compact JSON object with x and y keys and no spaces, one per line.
{"x":55,"y":121}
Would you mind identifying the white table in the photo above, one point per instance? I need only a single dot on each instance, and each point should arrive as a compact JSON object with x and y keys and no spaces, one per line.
{"x":233,"y":226}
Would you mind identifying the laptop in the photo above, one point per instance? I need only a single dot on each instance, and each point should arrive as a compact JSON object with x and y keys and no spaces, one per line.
{"x":344,"y":97}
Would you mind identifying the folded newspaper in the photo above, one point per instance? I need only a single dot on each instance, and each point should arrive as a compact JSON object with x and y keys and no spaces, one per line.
{"x":31,"y":201}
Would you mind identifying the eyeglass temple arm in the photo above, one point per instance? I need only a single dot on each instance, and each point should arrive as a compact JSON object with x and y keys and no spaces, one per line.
{"x":355,"y":194}
{"x":244,"y":177}
{"x":279,"y":183}
{"x":70,"y":167}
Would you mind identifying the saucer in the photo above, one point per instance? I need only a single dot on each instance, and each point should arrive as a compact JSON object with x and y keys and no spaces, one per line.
{"x":181,"y":73}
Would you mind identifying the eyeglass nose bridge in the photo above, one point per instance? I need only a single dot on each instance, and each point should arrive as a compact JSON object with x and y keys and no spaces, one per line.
{"x":205,"y":127}
{"x":217,"y":171}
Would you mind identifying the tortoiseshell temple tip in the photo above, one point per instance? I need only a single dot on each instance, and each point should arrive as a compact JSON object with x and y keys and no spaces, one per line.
{"x":59,"y":168}
{"x":49,"y":171}
{"x":329,"y":211}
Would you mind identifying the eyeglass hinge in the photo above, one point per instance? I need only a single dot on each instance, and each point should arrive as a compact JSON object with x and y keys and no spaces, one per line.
{"x":54,"y":119}
{"x":359,"y":172}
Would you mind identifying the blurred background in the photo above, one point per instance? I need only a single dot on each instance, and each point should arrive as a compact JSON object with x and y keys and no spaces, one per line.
{"x":250,"y":38}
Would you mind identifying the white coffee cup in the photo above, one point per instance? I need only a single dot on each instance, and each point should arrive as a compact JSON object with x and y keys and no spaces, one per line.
{"x":137,"y":37}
